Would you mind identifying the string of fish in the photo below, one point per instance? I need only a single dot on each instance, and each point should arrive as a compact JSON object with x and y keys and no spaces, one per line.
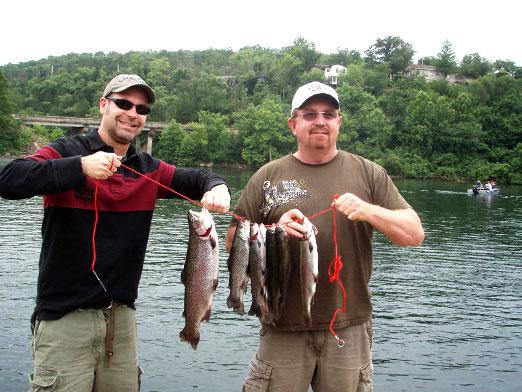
{"x":267,"y":304}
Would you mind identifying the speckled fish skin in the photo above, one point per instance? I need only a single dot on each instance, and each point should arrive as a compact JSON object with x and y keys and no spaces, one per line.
{"x":272,"y":273}
{"x":200,"y":274}
{"x":257,"y":272}
{"x":283,"y":259}
{"x":237,"y":264}
{"x":309,"y":270}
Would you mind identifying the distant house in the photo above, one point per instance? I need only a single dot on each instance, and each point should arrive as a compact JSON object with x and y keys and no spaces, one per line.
{"x":331,"y":73}
{"x":430,"y":73}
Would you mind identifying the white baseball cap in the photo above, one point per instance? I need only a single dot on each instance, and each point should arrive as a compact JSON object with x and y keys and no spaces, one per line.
{"x":304,"y":93}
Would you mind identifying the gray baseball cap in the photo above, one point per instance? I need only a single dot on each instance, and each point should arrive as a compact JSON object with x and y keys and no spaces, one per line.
{"x":304,"y":93}
{"x":123,"y":82}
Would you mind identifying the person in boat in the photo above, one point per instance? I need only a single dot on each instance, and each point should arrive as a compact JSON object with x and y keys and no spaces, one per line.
{"x":84,"y":325}
{"x":291,"y":356}
{"x":477,"y":187}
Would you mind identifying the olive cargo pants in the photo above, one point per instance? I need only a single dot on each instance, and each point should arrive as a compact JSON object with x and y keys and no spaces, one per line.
{"x":292,"y":361}
{"x":70,"y":354}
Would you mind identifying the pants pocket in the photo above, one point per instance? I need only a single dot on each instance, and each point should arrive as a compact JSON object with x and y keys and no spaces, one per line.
{"x":44,"y":379}
{"x":258,"y":377}
{"x":366,"y":379}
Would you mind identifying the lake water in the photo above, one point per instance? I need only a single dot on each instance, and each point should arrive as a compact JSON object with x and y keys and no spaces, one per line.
{"x":447,"y":315}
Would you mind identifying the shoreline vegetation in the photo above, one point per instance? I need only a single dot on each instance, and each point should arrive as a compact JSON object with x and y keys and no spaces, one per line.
{"x":466,"y":125}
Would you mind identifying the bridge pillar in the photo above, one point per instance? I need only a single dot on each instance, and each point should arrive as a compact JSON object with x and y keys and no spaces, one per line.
{"x":148,"y":145}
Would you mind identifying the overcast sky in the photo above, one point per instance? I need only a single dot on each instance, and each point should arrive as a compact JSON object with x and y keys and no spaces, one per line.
{"x":35,"y":29}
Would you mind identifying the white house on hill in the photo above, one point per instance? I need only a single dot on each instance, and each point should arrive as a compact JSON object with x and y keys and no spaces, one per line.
{"x":331,"y":73}
{"x":430,"y":73}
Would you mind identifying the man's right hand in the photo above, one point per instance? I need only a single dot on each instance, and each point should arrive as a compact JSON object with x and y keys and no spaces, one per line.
{"x":100,"y":165}
{"x":292,"y":221}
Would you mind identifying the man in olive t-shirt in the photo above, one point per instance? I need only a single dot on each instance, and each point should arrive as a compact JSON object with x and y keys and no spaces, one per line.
{"x":291,"y":355}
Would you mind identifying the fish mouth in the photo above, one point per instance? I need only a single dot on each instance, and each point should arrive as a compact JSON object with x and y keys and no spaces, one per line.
{"x":205,"y":233}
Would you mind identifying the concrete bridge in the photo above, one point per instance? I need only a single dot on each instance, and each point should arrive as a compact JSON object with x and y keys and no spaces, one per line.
{"x":78,"y":125}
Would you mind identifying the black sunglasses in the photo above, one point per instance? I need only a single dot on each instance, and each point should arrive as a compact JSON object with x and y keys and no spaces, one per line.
{"x":128,"y":105}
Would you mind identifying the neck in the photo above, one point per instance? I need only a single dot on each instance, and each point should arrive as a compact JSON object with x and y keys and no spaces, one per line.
{"x":119,"y":148}
{"x":317,"y":158}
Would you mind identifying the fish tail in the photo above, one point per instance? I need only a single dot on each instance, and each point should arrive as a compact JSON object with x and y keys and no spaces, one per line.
{"x":190,"y":336}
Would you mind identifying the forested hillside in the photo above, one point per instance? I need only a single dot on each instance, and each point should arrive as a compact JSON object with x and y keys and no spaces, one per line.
{"x":237,"y":103}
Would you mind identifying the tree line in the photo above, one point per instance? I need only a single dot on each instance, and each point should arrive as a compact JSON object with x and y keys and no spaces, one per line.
{"x":236,"y":103}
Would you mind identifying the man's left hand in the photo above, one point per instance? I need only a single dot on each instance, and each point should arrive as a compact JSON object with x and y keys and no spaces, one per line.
{"x":353,"y":207}
{"x":217,"y":199}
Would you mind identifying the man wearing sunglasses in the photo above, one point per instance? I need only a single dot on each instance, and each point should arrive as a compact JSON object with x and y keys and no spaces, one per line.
{"x":292,"y":354}
{"x":84,"y":327}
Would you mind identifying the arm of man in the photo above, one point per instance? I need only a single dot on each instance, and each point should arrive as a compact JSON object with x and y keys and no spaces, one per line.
{"x":200,"y":184}
{"x":402,"y":226}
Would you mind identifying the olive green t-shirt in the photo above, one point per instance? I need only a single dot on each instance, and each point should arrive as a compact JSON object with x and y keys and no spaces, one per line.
{"x":288,"y":183}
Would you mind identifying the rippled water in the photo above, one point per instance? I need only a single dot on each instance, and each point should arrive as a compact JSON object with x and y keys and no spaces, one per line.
{"x":447,"y":315}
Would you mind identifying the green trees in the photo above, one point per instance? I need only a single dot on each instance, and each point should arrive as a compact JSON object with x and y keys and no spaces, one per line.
{"x":393,"y":51}
{"x":231,"y":107}
{"x":264,"y":132}
{"x":446,"y":62}
{"x":10,"y":136}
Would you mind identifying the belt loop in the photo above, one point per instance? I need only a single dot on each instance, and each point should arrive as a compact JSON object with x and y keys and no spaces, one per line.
{"x":110,"y":335}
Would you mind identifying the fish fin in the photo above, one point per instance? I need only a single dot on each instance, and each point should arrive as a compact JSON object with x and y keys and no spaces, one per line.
{"x":215,"y":285}
{"x":206,"y":317}
{"x":252,"y":310}
{"x":184,"y":314}
{"x":193,"y":340}
{"x":213,"y":242}
{"x":229,"y":302}
{"x":229,"y":261}
{"x":310,"y":247}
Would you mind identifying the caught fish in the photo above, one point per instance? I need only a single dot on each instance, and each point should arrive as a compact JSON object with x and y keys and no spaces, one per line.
{"x":309,"y":270}
{"x":237,"y":264}
{"x":199,"y":274}
{"x":283,"y":259}
{"x":272,"y":275}
{"x":257,"y":272}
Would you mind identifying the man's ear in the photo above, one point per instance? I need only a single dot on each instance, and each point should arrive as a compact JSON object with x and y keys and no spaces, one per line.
{"x":103,"y":104}
{"x":291,"y":125}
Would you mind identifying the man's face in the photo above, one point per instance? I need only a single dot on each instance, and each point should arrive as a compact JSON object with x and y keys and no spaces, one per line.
{"x":316,"y":132}
{"x":120,"y":125}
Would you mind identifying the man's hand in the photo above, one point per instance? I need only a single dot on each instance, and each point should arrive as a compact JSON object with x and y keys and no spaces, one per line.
{"x":217,"y":199}
{"x":100,"y":165}
{"x":353,"y":207}
{"x":292,"y":221}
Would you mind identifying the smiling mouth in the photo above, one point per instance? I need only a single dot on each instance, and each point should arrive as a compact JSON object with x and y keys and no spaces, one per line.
{"x":128,"y":125}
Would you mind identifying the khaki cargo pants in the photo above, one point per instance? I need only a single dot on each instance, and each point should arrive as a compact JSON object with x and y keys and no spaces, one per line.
{"x":292,"y":361}
{"x":70,"y":354}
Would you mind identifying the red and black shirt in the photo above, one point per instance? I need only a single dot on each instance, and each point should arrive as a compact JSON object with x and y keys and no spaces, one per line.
{"x":125,"y":204}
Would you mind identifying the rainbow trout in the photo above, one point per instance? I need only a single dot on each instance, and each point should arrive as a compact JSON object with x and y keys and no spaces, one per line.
{"x":309,"y":270}
{"x":272,"y":272}
{"x":257,"y":272}
{"x":237,"y":264}
{"x":284,"y":265}
{"x":199,"y":274}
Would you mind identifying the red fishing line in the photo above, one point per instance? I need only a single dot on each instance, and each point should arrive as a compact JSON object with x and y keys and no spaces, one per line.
{"x":333,"y":270}
{"x":333,"y":276}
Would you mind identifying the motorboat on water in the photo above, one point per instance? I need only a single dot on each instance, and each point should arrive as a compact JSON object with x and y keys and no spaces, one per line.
{"x":490,"y":188}
{"x":483,"y":191}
